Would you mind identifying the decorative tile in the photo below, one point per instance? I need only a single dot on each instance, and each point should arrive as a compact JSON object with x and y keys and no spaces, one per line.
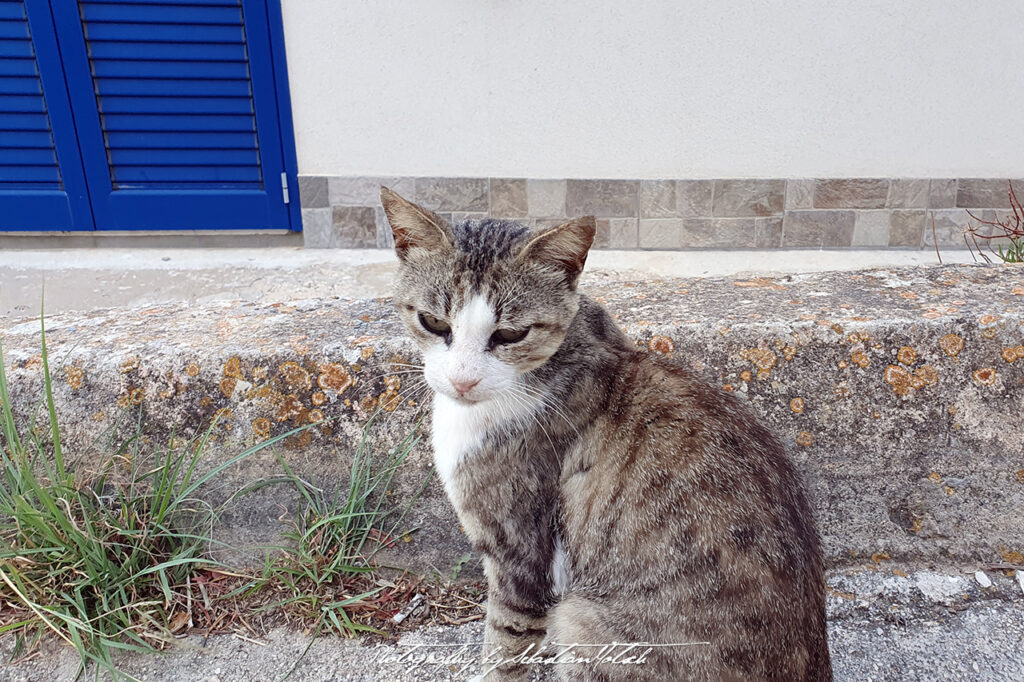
{"x":658,"y":199}
{"x":906,"y":228}
{"x":1000,"y":215}
{"x":950,"y":224}
{"x":316,"y":228}
{"x":508,"y":198}
{"x":313,"y":191}
{"x":748,"y":198}
{"x":541,"y":224}
{"x":545,"y":198}
{"x":623,"y":233}
{"x":353,"y":227}
{"x":942,"y":193}
{"x":602,"y":230}
{"x":669,"y":214}
{"x":909,"y":193}
{"x":602,"y":198}
{"x":871,"y":228}
{"x":694,"y":198}
{"x":840,"y":233}
{"x":365,"y":190}
{"x":977,"y":193}
{"x":818,"y":228}
{"x":720,"y":232}
{"x":768,"y":232}
{"x":660,"y":233}
{"x":799,"y":193}
{"x":951,"y":227}
{"x":851,"y":193}
{"x":452,"y":194}
{"x":385,"y":237}
{"x":459,"y":216}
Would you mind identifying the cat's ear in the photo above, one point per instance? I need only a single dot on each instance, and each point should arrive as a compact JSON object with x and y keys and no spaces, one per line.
{"x":414,"y":226}
{"x":564,"y":246}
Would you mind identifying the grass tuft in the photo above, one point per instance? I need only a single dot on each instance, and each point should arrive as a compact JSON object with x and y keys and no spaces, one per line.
{"x":118,"y":561}
{"x":94,"y":560}
{"x":99,"y":561}
{"x":334,"y":539}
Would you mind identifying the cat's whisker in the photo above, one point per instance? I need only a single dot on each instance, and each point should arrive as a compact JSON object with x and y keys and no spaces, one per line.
{"x":413,"y":392}
{"x":380,"y":373}
{"x":396,"y":363}
{"x":546,"y":399}
{"x":522,"y":399}
{"x":648,"y":517}
{"x":384,"y":375}
{"x":385,"y":369}
{"x":409,"y":393}
{"x":550,"y":401}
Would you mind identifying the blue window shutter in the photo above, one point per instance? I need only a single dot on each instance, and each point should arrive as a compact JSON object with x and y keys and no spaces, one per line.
{"x":42,"y":185}
{"x":177,"y":112}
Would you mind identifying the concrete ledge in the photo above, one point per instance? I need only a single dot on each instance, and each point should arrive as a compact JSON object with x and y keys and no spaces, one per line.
{"x":127,"y":278}
{"x":151,"y":239}
{"x":900,"y":392}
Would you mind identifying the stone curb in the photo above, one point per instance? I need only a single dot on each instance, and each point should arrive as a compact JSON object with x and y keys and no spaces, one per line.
{"x":899,"y":391}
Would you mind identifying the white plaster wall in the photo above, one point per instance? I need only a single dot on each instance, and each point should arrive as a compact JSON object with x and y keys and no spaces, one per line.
{"x":606,"y":88}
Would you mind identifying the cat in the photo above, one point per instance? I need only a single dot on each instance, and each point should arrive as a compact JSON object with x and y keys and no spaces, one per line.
{"x":614,"y":496}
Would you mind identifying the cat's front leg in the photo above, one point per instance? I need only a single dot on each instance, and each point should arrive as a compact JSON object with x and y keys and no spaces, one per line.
{"x":516,"y":620}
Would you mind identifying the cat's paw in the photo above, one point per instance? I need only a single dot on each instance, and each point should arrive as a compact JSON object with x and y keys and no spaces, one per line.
{"x":477,"y":678}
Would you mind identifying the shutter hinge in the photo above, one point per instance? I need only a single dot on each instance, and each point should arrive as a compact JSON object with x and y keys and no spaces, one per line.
{"x":284,"y":187}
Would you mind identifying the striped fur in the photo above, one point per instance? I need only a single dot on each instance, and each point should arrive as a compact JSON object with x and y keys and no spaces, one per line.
{"x":614,"y":496}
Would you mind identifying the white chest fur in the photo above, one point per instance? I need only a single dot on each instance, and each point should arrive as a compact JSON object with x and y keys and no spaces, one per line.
{"x":459,"y":430}
{"x":458,"y":433}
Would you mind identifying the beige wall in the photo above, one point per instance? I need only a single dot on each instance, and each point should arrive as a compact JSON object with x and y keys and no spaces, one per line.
{"x":674,"y":89}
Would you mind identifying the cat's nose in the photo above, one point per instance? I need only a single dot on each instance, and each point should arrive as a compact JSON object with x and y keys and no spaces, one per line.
{"x":463,"y":387}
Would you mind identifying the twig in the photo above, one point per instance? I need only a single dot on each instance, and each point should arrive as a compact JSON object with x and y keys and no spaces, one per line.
{"x":1011,"y":228}
{"x":451,"y":607}
{"x":213,"y":626}
{"x":246,"y":624}
{"x":935,"y":240}
{"x":238,"y":635}
{"x":206,"y":597}
{"x":468,"y":601}
{"x":462,"y":621}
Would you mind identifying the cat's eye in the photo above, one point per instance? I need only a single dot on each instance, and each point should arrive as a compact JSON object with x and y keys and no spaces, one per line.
{"x":505,"y":336}
{"x":435,"y":325}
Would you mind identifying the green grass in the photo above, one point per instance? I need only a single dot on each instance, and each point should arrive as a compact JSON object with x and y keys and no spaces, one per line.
{"x":334,"y":538}
{"x":106,"y":561}
{"x":1014,"y":251}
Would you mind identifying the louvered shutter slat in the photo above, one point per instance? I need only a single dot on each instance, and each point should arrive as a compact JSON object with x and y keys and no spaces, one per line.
{"x":166,"y":69}
{"x":185,"y":52}
{"x":166,"y":87}
{"x":180,"y":139}
{"x":27,"y":156}
{"x":161,"y":123}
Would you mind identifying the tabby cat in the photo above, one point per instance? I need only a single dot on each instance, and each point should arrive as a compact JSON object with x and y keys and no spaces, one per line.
{"x":615,"y":497}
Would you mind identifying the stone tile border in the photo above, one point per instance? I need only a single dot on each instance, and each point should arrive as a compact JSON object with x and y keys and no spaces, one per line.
{"x":344,"y":212}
